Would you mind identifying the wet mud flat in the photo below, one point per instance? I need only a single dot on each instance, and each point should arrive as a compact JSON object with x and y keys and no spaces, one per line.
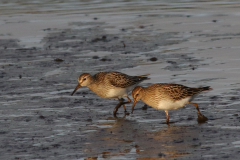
{"x":40,"y":120}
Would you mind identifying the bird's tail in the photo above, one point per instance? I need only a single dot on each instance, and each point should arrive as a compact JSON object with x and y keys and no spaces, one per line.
{"x":205,"y":88}
{"x":144,"y":77}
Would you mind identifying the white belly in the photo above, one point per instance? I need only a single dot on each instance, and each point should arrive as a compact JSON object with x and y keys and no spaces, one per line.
{"x":116,"y":92}
{"x":170,"y":105}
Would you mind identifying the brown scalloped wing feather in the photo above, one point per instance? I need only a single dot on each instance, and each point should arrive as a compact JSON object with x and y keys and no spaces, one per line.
{"x":178,"y":92}
{"x":122,"y":80}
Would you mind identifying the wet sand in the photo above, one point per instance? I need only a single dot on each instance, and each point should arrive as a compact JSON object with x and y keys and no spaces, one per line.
{"x":45,"y":46}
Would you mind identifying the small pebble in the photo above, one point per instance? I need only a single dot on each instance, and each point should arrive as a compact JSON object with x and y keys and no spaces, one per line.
{"x":161,"y":155}
{"x":144,"y":107}
{"x":58,"y":60}
{"x":105,"y":59}
{"x":95,"y":57}
{"x":41,"y":117}
{"x":153,"y":59}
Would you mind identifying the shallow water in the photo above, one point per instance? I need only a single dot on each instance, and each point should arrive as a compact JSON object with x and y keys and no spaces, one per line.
{"x":195,"y":43}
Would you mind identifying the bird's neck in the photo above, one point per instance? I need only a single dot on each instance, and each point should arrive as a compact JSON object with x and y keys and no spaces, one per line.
{"x":92,"y":85}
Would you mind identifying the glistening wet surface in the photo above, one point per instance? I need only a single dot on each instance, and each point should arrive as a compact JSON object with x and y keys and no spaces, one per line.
{"x":46,"y":45}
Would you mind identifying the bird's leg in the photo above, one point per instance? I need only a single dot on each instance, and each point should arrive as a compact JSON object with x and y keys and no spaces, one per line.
{"x":122,"y":100}
{"x":195,"y":104}
{"x":167,"y":117}
{"x":129,"y":100}
{"x":116,"y":108}
{"x":201,"y":117}
{"x":119,"y":105}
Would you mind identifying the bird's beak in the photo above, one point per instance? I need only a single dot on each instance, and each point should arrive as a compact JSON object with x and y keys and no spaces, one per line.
{"x":134,"y":103}
{"x":78,"y":86}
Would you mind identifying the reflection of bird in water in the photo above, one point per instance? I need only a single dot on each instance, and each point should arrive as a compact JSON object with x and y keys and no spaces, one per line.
{"x":168,"y":142}
{"x":164,"y":96}
{"x":129,"y":139}
{"x":110,"y":85}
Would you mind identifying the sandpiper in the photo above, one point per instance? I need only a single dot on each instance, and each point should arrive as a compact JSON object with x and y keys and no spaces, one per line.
{"x":110,"y":85}
{"x":165,"y":96}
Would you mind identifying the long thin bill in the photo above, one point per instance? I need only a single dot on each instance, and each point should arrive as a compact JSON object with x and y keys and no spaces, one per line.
{"x":78,"y":86}
{"x":134,"y":103}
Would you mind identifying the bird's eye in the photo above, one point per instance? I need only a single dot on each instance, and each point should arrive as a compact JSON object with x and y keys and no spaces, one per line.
{"x":136,"y":94}
{"x":84,"y":79}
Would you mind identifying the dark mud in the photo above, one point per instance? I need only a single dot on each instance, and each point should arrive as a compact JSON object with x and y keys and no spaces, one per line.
{"x":40,"y":120}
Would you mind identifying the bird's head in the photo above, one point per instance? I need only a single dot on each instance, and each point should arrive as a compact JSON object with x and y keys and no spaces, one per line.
{"x":137,"y":94}
{"x":83,"y":80}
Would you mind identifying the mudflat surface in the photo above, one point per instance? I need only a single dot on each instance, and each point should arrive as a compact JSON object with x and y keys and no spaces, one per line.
{"x":46,"y":45}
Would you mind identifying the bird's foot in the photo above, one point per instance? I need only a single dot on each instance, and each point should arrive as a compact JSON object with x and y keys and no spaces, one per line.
{"x":168,"y":123}
{"x":202,"y":118}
